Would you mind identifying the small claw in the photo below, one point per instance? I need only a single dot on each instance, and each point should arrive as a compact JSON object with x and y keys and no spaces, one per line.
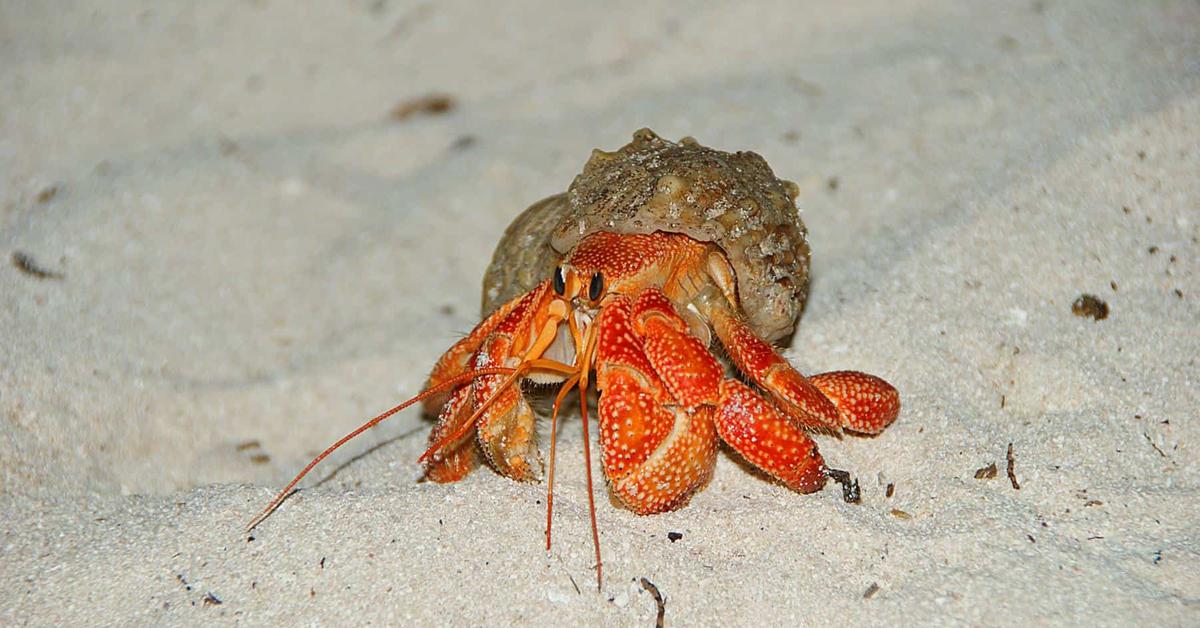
{"x":509,"y":320}
{"x":767,"y":439}
{"x":456,"y":359}
{"x":455,"y":460}
{"x":506,"y":431}
{"x":865,"y":403}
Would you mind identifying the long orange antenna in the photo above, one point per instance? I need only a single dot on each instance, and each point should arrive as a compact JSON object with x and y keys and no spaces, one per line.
{"x":587,"y":462}
{"x":562,"y":394}
{"x":432,"y":390}
{"x":585,"y":366}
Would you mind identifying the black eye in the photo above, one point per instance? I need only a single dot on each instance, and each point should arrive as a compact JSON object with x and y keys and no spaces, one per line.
{"x":596,"y":288}
{"x":560,"y":282}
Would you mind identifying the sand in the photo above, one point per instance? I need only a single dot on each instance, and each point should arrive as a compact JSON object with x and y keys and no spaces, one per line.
{"x":249,"y":256}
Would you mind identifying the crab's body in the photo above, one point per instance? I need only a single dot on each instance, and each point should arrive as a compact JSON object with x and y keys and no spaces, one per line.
{"x":637,"y":312}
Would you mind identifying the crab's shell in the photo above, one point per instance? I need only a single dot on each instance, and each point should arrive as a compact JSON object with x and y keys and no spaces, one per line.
{"x":730,"y":199}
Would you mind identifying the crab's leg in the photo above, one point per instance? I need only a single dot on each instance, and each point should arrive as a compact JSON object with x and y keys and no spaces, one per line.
{"x":841,"y":399}
{"x":658,"y":449}
{"x":767,"y":439}
{"x":865,"y":403}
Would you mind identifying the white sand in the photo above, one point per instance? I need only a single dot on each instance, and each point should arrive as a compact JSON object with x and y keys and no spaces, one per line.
{"x":252,"y":251}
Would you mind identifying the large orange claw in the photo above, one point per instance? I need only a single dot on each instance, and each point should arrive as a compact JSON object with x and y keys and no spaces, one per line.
{"x":657,"y":452}
{"x":659,"y":446}
{"x":655,"y":457}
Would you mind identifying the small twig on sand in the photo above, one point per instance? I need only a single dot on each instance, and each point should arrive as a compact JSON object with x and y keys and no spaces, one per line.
{"x":658,"y":599}
{"x":25,"y":263}
{"x":1012,"y":461}
{"x":430,"y":104}
{"x":1155,"y":446}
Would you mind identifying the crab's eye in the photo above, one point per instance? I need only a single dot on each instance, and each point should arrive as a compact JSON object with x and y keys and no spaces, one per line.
{"x":596,"y":287}
{"x":560,"y":281}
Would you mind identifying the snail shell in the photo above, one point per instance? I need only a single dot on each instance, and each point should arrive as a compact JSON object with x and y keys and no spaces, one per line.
{"x":730,"y":199}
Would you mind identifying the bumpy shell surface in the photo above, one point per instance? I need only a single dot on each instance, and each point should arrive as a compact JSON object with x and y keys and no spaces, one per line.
{"x":651,"y":184}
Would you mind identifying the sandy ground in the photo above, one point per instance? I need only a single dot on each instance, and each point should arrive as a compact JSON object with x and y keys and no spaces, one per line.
{"x":250,"y":257}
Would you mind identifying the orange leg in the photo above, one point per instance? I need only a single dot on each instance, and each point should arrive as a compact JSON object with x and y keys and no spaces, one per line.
{"x":841,"y":399}
{"x":767,"y":439}
{"x":865,"y":403}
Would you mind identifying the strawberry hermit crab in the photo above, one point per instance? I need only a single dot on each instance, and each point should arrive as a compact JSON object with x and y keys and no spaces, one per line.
{"x":658,"y":251}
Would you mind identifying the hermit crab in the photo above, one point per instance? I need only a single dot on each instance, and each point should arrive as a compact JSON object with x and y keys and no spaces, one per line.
{"x":657,"y":252}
